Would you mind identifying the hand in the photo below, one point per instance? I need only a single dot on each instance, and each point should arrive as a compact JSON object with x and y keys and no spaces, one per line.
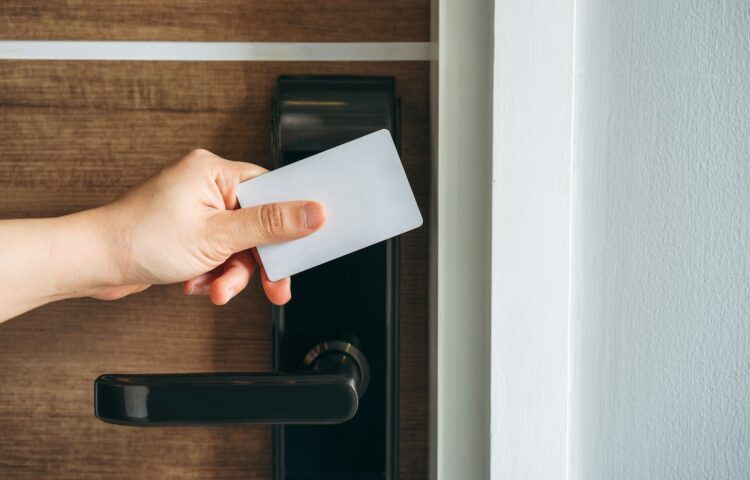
{"x":184,"y":225}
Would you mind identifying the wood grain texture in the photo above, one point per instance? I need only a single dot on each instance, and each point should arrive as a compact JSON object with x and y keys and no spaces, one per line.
{"x":221,"y":20}
{"x":78,"y":134}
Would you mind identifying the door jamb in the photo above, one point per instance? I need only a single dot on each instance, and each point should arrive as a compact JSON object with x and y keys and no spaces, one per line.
{"x":460,"y":240}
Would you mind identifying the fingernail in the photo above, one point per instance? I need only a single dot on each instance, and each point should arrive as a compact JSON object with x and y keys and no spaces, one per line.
{"x":315,"y":214}
{"x":231,"y":292}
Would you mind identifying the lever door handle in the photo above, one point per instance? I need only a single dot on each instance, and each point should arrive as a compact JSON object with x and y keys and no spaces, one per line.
{"x":327,"y":392}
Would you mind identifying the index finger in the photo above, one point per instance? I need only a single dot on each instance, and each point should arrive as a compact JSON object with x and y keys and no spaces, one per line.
{"x":228,"y":174}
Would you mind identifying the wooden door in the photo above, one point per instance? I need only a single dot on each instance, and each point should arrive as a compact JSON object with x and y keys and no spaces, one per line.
{"x":76,"y":134}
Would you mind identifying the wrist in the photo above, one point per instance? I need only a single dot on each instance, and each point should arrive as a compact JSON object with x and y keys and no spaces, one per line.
{"x":85,"y":251}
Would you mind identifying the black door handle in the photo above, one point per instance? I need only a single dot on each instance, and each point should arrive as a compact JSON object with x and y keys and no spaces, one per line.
{"x":326,"y":392}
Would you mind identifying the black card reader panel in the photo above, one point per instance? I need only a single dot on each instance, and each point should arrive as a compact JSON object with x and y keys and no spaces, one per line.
{"x":353,"y":299}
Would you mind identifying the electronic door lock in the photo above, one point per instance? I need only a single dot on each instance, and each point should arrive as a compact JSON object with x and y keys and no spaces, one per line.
{"x":333,"y":394}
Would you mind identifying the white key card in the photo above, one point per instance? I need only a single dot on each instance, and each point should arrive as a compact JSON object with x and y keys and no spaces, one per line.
{"x":366,"y":193}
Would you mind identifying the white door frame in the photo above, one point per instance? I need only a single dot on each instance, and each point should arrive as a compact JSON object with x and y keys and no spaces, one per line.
{"x":531,"y":279}
{"x":460,"y":239}
{"x":502,"y":95}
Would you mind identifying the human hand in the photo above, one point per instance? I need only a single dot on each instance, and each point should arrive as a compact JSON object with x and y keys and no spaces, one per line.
{"x":184,"y":225}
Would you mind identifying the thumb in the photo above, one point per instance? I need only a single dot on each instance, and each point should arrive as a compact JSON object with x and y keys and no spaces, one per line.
{"x":271,"y":223}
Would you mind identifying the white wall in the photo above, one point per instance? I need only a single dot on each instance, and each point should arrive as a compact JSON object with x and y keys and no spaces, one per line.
{"x":621,"y":240}
{"x":660,"y":324}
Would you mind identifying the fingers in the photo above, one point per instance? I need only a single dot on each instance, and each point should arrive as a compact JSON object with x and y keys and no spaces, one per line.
{"x":221,"y":166}
{"x":244,"y":170}
{"x":237,"y":273}
{"x":245,"y":228}
{"x":229,"y":174}
{"x":224,"y":283}
{"x":278,"y":292}
{"x":201,"y":285}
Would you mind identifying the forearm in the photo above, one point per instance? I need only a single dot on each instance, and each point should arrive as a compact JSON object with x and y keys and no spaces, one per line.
{"x":44,"y":260}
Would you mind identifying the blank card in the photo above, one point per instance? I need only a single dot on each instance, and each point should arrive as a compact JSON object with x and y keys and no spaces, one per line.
{"x":364,"y":189}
